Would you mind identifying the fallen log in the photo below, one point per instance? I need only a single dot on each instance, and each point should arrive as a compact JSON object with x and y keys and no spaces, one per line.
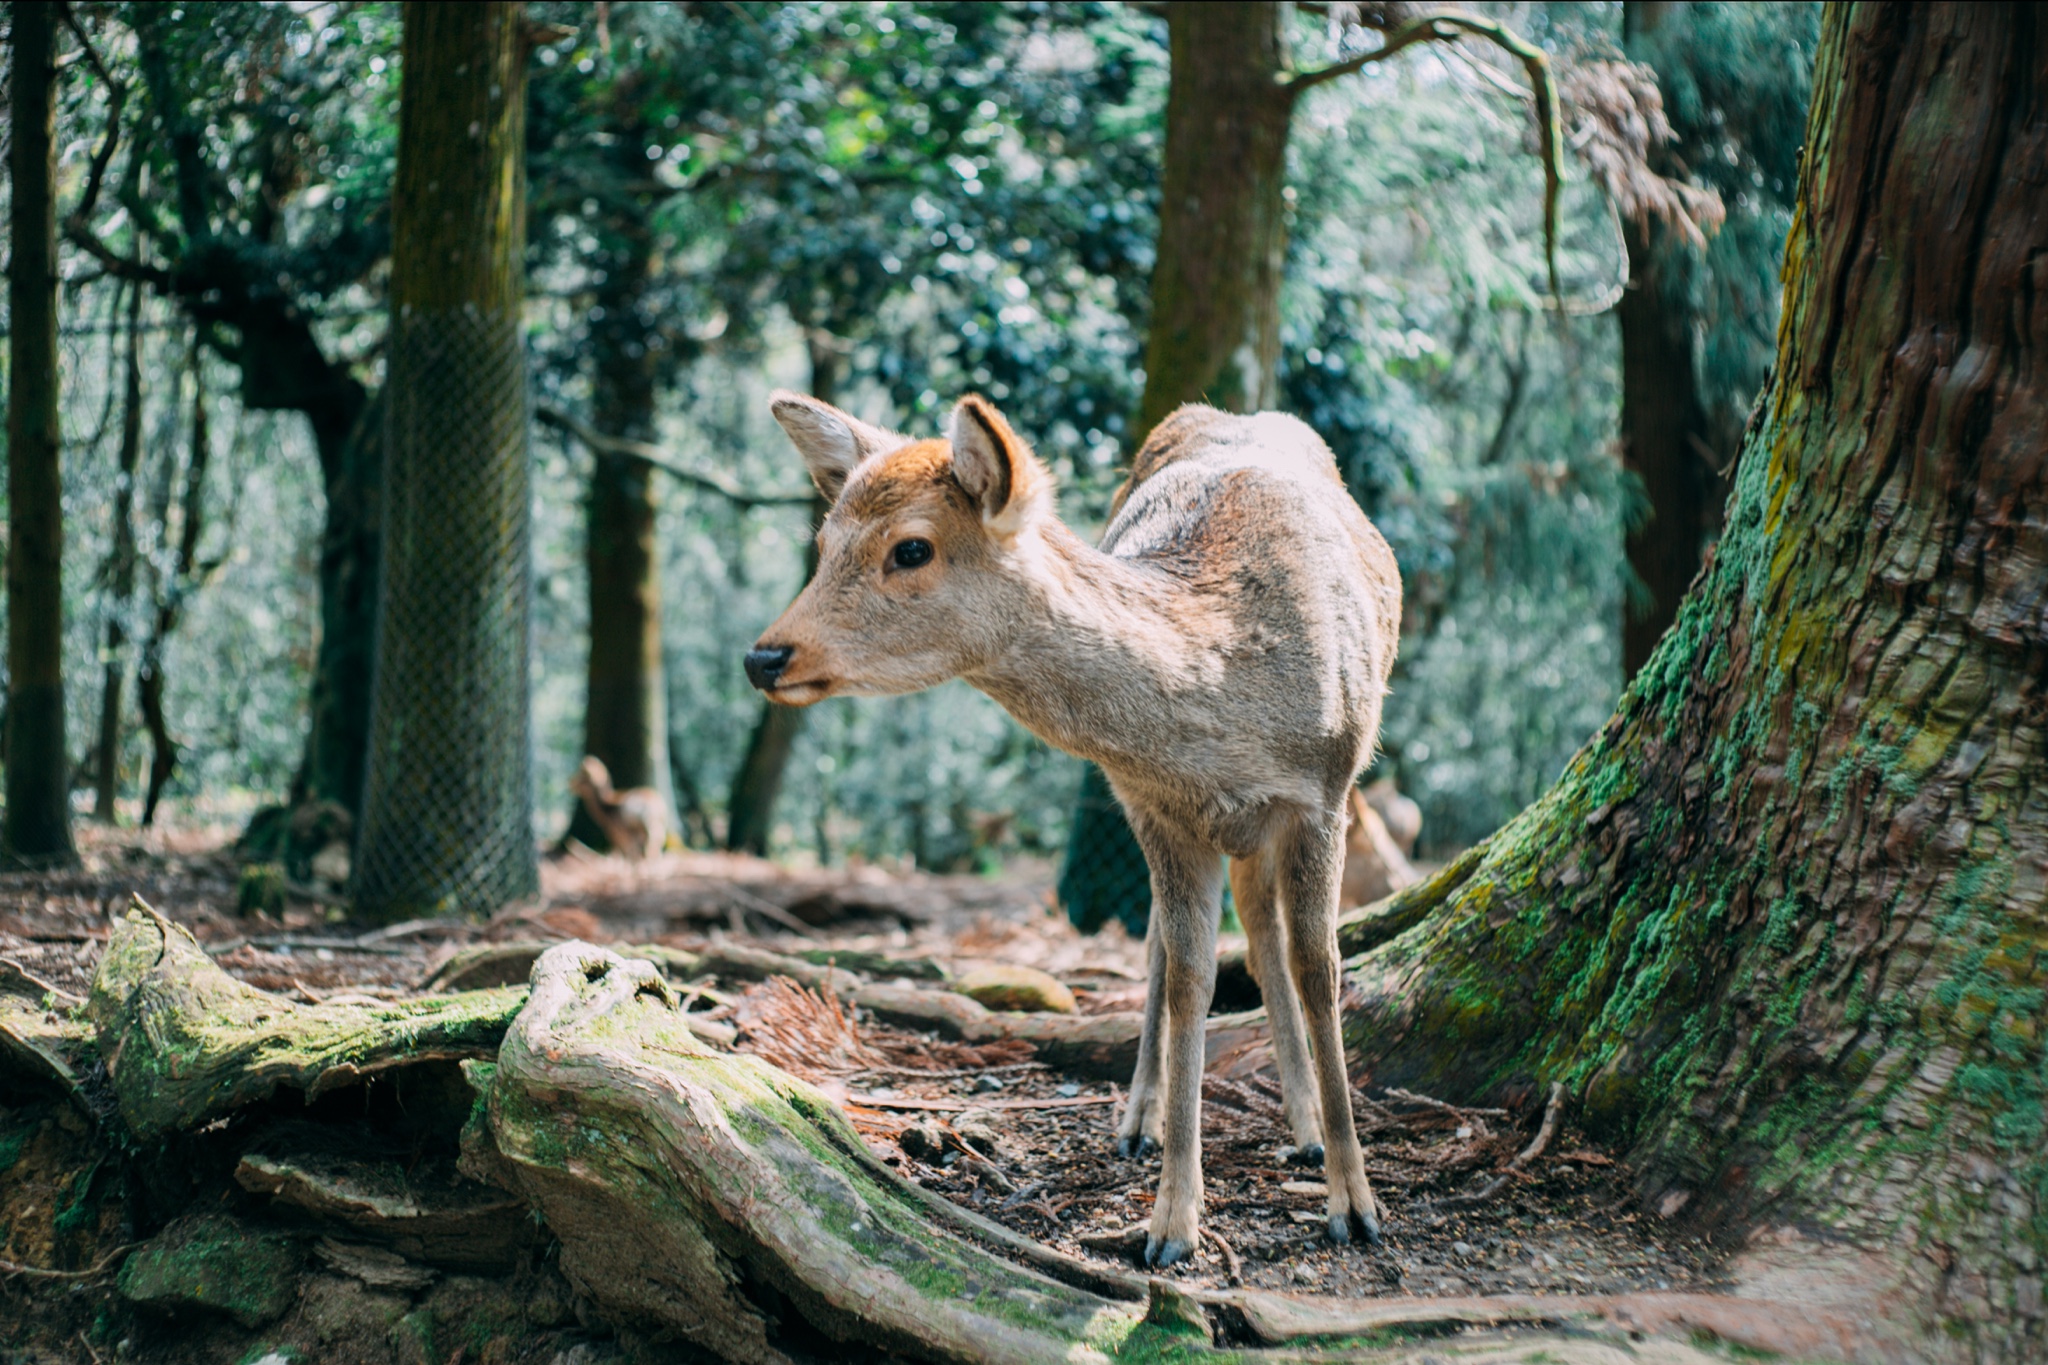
{"x":185,"y":1043}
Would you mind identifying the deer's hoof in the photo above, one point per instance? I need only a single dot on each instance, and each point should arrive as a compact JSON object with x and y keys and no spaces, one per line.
{"x":1310,"y":1155}
{"x":1135,"y":1148}
{"x":1160,"y":1255}
{"x":1368,"y":1227}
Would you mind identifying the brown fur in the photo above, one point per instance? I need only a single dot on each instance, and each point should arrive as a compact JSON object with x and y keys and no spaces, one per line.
{"x":634,"y":820}
{"x":1375,"y":865}
{"x":1222,"y":656}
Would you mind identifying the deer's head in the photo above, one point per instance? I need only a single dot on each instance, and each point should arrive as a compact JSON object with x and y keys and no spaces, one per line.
{"x":923,"y":561}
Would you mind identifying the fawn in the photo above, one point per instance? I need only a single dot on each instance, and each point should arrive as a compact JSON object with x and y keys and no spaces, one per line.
{"x":1222,"y":656}
{"x":635,"y":820}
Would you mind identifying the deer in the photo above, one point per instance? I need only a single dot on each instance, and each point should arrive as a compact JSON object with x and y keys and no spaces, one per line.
{"x":1222,"y":653}
{"x":634,"y":820}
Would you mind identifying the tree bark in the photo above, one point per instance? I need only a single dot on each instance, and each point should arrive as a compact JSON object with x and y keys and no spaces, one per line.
{"x":750,"y":812}
{"x":120,"y":575}
{"x":1780,"y":926}
{"x":447,"y":821}
{"x":1215,"y":326}
{"x":625,"y":717}
{"x":1666,"y":438}
{"x":37,"y":828}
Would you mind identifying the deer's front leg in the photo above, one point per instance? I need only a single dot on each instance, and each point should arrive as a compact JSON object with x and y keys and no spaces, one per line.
{"x":1187,"y":899}
{"x":1138,"y":1135}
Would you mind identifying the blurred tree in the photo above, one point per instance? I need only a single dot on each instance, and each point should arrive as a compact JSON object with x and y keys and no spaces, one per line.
{"x":1698,"y":321}
{"x":447,"y":813}
{"x":278,"y":174}
{"x":37,"y":828}
{"x":120,"y":573}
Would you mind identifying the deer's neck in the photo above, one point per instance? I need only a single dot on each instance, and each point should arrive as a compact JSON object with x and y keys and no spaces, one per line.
{"x":1100,"y":652}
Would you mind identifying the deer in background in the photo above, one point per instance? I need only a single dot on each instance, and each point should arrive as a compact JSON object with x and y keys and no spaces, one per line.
{"x":634,"y":820}
{"x":1222,"y":656}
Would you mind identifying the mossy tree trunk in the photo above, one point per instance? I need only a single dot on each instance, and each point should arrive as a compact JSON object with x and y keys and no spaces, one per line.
{"x":1781,"y":924}
{"x":447,"y":816}
{"x":38,"y":817}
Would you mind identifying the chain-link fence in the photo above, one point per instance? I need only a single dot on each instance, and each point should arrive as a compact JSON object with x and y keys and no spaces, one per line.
{"x":447,"y":810}
{"x":1104,"y":876}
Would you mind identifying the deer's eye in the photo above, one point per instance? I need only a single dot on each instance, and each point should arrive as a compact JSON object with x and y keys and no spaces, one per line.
{"x":911,"y":554}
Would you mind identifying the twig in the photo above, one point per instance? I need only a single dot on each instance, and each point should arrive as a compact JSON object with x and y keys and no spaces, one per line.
{"x":659,"y":459}
{"x":770,"y":911}
{"x":953,"y":1074}
{"x":1410,"y":1097}
{"x":1528,"y":1154}
{"x":1233,"y":1268}
{"x":99,"y":1268}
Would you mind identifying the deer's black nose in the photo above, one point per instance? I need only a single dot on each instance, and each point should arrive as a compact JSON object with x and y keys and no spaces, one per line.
{"x":764,"y":666}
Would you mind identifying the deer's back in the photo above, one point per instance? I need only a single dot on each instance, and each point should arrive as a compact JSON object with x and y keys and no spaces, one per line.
{"x":1288,"y":587}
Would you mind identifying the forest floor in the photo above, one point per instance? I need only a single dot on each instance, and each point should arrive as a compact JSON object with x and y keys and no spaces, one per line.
{"x":985,"y":1125}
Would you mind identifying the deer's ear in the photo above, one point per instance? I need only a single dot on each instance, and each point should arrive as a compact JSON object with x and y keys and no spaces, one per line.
{"x":996,"y":468}
{"x":833,"y":443}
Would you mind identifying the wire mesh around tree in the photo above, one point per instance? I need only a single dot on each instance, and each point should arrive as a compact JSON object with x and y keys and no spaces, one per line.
{"x":447,"y":811}
{"x":1104,"y":876}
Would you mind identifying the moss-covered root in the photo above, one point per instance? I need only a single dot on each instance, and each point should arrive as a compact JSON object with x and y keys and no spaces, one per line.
{"x":185,"y":1042}
{"x":716,"y":1200}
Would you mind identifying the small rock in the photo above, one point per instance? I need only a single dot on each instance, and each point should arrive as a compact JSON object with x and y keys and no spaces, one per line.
{"x":1068,"y":1091}
{"x":923,"y":1141}
{"x":1464,"y":1130}
{"x":1306,"y":1273}
{"x":214,"y":1262}
{"x":987,"y":1085}
{"x":1025,"y":989}
{"x":1316,"y":1189}
{"x":1461,"y":1249}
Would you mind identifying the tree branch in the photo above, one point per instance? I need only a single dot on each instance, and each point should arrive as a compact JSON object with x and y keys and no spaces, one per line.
{"x":1549,"y":121}
{"x":655,"y":456}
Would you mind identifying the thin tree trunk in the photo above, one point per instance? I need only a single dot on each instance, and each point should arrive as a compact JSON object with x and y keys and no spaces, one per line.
{"x":348,"y":432}
{"x":625,"y":717}
{"x":183,"y":577}
{"x":120,"y":575}
{"x":750,"y":813}
{"x":447,"y":821}
{"x":1781,"y":924}
{"x":38,"y":816}
{"x":1665,"y":436}
{"x":1215,"y":324}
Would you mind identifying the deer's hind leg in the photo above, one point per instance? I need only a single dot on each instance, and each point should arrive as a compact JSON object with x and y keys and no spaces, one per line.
{"x":1312,"y":868}
{"x":1187,"y":900}
{"x":1138,"y":1134}
{"x":1252,"y":885}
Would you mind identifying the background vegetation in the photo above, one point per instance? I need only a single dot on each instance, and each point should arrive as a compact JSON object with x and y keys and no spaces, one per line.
{"x":897,"y":202}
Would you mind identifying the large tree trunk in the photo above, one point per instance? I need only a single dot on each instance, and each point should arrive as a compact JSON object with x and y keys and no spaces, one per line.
{"x":447,"y":819}
{"x":750,"y":812}
{"x":38,"y":816}
{"x":625,"y":717}
{"x":1215,"y":326}
{"x":1781,"y":924}
{"x":1666,"y":437}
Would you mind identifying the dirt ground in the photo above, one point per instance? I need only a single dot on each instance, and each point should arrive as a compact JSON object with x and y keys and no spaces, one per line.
{"x":988,"y":1127}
